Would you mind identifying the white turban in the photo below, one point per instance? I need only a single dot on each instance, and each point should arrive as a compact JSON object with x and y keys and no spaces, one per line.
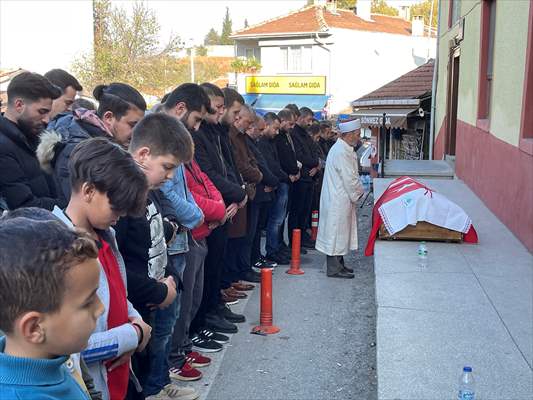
{"x":350,"y":126}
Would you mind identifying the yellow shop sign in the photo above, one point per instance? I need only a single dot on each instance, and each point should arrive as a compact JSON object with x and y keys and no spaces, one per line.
{"x":286,"y":84}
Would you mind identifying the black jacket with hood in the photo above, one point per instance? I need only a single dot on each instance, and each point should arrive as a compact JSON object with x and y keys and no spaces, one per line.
{"x":22,"y":181}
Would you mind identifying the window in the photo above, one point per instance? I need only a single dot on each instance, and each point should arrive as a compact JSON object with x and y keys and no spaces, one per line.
{"x":253,"y":52}
{"x":454,"y":12}
{"x":486,"y":62}
{"x":526,"y":126}
{"x":296,"y":58}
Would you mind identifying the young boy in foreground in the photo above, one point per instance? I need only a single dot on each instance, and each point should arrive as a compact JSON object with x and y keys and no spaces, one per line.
{"x":49,"y":276}
{"x":106,"y":184}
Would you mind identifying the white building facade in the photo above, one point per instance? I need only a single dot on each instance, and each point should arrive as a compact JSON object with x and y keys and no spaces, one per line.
{"x":355,"y":53}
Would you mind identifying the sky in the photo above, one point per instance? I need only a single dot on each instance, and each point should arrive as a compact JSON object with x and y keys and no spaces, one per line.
{"x":42,"y":34}
{"x":193,"y":19}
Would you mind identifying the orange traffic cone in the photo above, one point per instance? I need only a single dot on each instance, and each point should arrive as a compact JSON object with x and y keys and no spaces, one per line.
{"x":314,"y":225}
{"x":265,"y":318}
{"x":295,"y":259}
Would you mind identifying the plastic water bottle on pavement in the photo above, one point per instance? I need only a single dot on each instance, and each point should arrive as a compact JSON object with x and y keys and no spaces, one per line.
{"x":422,"y":255}
{"x":466,"y":385}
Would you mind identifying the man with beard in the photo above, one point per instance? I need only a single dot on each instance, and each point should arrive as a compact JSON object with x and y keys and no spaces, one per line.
{"x":215,"y":157}
{"x":291,"y":166}
{"x":69,"y":86}
{"x":22,"y":181}
{"x":300,"y":208}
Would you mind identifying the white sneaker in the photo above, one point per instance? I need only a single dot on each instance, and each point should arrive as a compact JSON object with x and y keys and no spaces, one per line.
{"x":180,"y":392}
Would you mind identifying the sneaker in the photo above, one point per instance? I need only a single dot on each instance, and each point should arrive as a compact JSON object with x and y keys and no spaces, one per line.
{"x":186,"y":373}
{"x":226,"y":312}
{"x":171,"y":391}
{"x":197,"y":360}
{"x":278,"y":258}
{"x":262,"y":263}
{"x":212,"y":335}
{"x":204,"y":345}
{"x":218,"y":324}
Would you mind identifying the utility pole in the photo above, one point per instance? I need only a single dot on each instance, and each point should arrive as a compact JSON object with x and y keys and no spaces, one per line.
{"x":192,"y":54}
{"x":192,"y":65}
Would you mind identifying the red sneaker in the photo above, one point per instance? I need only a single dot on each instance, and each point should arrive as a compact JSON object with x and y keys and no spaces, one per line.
{"x":197,"y":360}
{"x":185,"y":373}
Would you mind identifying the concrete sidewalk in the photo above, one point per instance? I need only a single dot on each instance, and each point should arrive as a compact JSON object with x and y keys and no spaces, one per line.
{"x":472,"y":306}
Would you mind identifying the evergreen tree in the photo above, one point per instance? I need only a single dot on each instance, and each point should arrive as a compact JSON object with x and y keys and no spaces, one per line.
{"x":246,"y":22}
{"x":211,"y":38}
{"x":226,"y":29}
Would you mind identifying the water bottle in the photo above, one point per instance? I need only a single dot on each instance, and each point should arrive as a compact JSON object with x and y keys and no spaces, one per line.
{"x":422,"y":255}
{"x":466,"y":385}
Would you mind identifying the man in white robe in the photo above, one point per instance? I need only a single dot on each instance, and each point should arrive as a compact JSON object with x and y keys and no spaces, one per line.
{"x":341,"y":188}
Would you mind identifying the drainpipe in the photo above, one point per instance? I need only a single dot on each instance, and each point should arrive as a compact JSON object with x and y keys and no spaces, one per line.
{"x":434,"y":91}
{"x":325,"y":47}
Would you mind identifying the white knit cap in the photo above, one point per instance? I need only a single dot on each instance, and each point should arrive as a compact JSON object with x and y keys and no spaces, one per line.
{"x":350,"y":126}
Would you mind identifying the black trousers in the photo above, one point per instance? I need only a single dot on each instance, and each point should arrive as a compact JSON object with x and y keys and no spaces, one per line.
{"x":264,"y":208}
{"x":300,"y":207}
{"x":216,"y":245}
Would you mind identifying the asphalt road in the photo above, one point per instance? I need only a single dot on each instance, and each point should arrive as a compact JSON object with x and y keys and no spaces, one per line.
{"x":326,"y":347}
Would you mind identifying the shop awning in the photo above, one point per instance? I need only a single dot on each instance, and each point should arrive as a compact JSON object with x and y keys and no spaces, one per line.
{"x":276,"y":102}
{"x":250,"y":98}
{"x":395,"y":117}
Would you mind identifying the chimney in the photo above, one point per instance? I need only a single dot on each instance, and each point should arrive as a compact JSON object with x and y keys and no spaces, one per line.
{"x":362,"y":9}
{"x":417,"y":25}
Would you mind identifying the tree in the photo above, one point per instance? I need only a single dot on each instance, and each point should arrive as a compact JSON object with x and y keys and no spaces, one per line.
{"x":424,"y":9}
{"x":246,"y":23}
{"x":381,"y":7}
{"x":226,"y":29}
{"x":245,"y":65}
{"x":201,"y":51}
{"x":346,"y":4}
{"x":211,"y":38}
{"x":126,"y":49}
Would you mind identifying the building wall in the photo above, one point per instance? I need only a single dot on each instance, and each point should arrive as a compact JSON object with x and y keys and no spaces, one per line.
{"x":490,"y":161}
{"x":41,"y":35}
{"x":221,"y":51}
{"x":354,"y":62}
{"x":364,"y":61}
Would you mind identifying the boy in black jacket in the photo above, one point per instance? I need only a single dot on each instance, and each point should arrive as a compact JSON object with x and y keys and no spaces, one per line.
{"x":159,"y":144}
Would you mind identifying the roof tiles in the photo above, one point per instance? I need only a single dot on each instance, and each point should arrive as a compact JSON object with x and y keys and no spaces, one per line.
{"x":412,"y":85}
{"x":311,"y":19}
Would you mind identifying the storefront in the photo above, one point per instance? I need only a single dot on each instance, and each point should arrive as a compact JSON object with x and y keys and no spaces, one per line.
{"x":406,"y":135}
{"x":405,"y":103}
{"x":273,"y":93}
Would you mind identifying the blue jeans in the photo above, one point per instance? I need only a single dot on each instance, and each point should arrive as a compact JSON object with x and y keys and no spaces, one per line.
{"x":277,"y":214}
{"x":161,"y":341}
